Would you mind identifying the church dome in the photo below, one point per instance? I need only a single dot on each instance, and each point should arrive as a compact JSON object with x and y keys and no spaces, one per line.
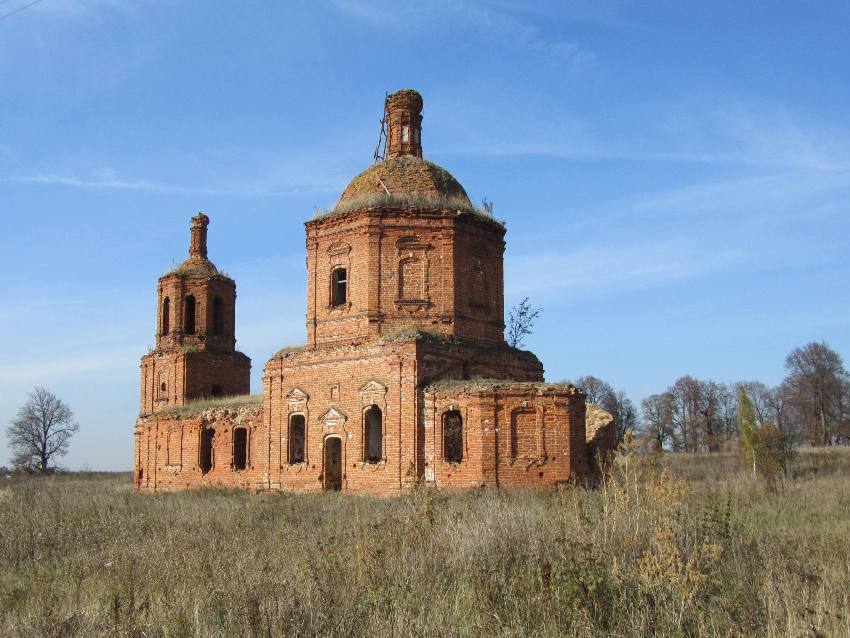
{"x":198,"y":264}
{"x":405,"y":178}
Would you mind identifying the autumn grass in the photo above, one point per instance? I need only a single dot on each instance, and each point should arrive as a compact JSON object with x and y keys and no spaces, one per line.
{"x":664,"y":548}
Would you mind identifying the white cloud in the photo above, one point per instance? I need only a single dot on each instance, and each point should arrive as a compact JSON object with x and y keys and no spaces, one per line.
{"x":44,"y":371}
{"x":740,"y":196}
{"x":494,"y":24}
{"x":615,"y":265}
{"x":704,"y":129}
{"x":267,"y":187}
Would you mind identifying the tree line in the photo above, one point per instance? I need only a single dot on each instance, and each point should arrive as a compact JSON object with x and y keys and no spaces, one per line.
{"x":811,"y":406}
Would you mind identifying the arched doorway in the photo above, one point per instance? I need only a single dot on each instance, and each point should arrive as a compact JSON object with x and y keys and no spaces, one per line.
{"x":333,"y":464}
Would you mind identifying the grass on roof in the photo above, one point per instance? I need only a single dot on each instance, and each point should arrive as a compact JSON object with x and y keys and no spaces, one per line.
{"x":410,"y":200}
{"x":196,"y":407}
{"x":289,"y":350}
{"x":484,"y":383}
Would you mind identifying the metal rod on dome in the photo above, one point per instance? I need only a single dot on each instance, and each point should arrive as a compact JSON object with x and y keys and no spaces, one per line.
{"x":379,"y":155}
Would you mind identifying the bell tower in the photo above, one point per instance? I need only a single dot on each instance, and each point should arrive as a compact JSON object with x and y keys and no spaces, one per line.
{"x":404,"y":117}
{"x":195,"y":354}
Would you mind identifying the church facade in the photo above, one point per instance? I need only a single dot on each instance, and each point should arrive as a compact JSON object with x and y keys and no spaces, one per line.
{"x":405,"y":377}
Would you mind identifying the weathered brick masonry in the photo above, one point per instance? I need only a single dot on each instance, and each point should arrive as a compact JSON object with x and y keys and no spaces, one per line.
{"x":405,"y":376}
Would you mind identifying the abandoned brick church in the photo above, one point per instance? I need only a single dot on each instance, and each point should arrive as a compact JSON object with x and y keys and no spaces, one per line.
{"x":405,"y":376}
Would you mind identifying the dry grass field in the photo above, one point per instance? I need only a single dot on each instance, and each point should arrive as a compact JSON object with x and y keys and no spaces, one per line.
{"x":671,"y":546}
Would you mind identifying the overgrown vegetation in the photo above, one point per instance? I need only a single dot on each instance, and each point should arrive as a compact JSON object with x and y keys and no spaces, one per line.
{"x":206,"y":269}
{"x":521,"y":323}
{"x":407,"y":200}
{"x":287,"y":350}
{"x":664,"y":548}
{"x":234,"y":402}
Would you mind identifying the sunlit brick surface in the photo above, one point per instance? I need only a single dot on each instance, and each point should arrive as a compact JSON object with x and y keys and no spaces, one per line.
{"x":405,"y":308}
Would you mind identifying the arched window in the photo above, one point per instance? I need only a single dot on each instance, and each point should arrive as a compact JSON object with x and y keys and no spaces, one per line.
{"x":453,"y":436}
{"x":339,"y":287}
{"x":296,"y":439}
{"x":189,"y":316}
{"x":207,"y":458}
{"x":374,"y":435}
{"x":218,"y":316}
{"x":166,"y":316}
{"x":240,"y":448}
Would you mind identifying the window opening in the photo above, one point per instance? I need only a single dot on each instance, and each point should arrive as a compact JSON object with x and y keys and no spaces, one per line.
{"x":207,"y":458}
{"x":166,"y":316}
{"x":240,"y":448}
{"x":374,"y":435}
{"x":339,"y":287}
{"x":296,"y":439}
{"x":189,"y":316}
{"x":453,"y":436}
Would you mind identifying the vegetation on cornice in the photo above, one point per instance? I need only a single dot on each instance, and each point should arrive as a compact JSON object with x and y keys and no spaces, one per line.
{"x":482,"y":383}
{"x":424,"y":336}
{"x":413,"y":201}
{"x":205,"y":271}
{"x":287,"y":350}
{"x":233,"y":402}
{"x":187,"y":348}
{"x":417,"y":334}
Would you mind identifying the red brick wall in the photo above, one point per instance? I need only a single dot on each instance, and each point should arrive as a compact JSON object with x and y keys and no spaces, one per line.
{"x":168,"y":451}
{"x":192,"y":365}
{"x":551,"y":447}
{"x":332,"y":388}
{"x":446,"y":255}
{"x":189,"y":376}
{"x":177,"y":288}
{"x":348,"y":380}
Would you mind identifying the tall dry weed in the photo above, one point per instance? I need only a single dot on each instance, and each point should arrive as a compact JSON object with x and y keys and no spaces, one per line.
{"x":664,"y":546}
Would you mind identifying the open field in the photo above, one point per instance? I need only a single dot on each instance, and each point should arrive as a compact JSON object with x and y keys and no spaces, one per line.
{"x":701,"y":549}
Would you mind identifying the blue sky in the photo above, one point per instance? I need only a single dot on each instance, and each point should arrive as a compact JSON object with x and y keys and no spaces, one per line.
{"x":675,"y":177}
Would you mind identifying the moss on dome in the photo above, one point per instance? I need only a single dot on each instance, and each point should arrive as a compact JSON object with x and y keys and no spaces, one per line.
{"x":405,"y":175}
{"x":197,"y":267}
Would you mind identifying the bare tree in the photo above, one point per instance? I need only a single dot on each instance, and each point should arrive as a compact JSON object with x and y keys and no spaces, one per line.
{"x":687,"y":398}
{"x":657,"y":424}
{"x":520,"y":322}
{"x":729,"y":412}
{"x":41,"y":431}
{"x":817,"y":384}
{"x":760,"y":396}
{"x":624,"y":412}
{"x":595,"y":389}
{"x":622,"y":409}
